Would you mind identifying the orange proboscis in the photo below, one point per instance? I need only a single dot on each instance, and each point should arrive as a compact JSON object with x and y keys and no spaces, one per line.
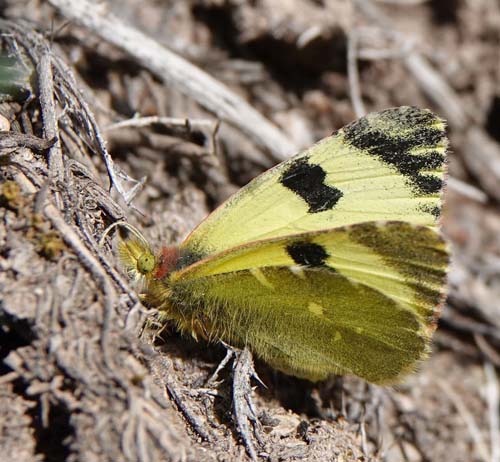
{"x":167,"y":260}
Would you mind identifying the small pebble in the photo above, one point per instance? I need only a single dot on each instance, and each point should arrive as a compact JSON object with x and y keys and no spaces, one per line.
{"x":4,"y":124}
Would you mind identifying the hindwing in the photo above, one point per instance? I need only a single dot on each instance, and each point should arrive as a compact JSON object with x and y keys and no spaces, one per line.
{"x":360,"y":299}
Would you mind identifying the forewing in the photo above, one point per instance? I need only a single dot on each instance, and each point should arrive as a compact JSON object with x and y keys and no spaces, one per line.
{"x":385,"y":166}
{"x":360,"y":299}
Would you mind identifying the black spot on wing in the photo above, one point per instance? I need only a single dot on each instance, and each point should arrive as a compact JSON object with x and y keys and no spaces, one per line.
{"x":393,"y":133}
{"x":187,"y":258}
{"x":307,"y":181}
{"x":434,"y":210}
{"x":307,"y":253}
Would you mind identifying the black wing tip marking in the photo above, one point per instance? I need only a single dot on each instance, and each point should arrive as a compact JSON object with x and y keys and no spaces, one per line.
{"x":392,"y":134}
{"x":308,"y":182}
{"x":307,"y":254}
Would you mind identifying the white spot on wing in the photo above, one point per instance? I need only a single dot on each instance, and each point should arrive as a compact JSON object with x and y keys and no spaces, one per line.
{"x":297,"y":271}
{"x":259,"y":275}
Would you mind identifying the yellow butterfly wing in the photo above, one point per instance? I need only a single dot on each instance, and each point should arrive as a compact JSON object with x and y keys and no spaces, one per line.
{"x":360,"y":299}
{"x":328,"y":263}
{"x":385,"y":166}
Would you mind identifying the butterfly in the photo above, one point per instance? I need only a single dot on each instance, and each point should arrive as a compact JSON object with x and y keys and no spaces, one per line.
{"x":328,"y":263}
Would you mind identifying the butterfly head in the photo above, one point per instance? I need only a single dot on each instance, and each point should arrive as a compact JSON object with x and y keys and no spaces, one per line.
{"x":139,"y":261}
{"x":135,"y":254}
{"x":136,"y":258}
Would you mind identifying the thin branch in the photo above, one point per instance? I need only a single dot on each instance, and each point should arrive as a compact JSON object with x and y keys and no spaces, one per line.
{"x":12,"y":141}
{"x":489,"y":352}
{"x":483,"y":160}
{"x":243,"y":406}
{"x":403,"y":2}
{"x":47,"y":103}
{"x":493,"y":400}
{"x":467,"y":190}
{"x":468,"y":418}
{"x":353,"y":73}
{"x":95,"y":268}
{"x":215,"y":376}
{"x":161,"y":368}
{"x":437,"y":89}
{"x":457,"y":321}
{"x":70,"y":82}
{"x":139,"y":122}
{"x":430,"y":81}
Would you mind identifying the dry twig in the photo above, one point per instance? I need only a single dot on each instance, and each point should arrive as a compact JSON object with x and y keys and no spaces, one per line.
{"x":431,"y":82}
{"x":176,"y":71}
{"x":468,"y":418}
{"x":493,"y":399}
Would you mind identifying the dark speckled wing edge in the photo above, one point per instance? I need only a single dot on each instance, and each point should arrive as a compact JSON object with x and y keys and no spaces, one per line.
{"x":404,"y":138}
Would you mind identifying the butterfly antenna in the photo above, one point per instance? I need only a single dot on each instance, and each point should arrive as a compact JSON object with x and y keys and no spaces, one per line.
{"x":127,"y":227}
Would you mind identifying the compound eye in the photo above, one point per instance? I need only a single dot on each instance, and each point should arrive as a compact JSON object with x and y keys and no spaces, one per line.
{"x":146,"y":263}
